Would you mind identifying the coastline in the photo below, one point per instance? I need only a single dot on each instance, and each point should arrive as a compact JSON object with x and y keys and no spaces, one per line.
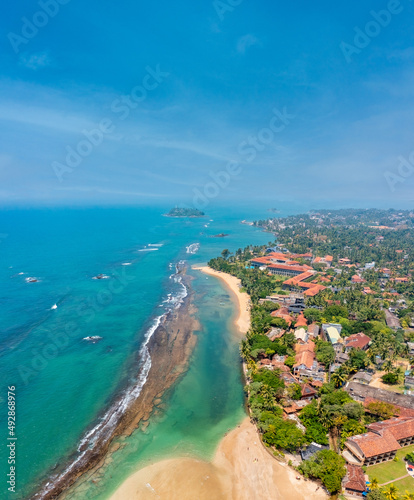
{"x":169,"y":348}
{"x":242,"y":468}
{"x":242,"y":322}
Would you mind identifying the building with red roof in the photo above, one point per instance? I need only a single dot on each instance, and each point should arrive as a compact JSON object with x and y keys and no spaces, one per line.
{"x":357,"y":279}
{"x":284,"y":314}
{"x":357,"y":341}
{"x":382,"y":441}
{"x":301,"y":321}
{"x":354,"y":481}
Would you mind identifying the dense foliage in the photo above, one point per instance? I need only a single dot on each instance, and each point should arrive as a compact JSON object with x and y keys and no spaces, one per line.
{"x":327,"y":466}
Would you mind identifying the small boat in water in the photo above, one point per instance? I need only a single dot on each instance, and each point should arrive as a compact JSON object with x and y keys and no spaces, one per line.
{"x":100,"y":277}
{"x":31,"y":280}
{"x":54,"y":306}
{"x":93,"y":338}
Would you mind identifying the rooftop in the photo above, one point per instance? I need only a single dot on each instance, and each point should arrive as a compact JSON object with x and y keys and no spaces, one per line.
{"x":354,"y":479}
{"x":357,"y":340}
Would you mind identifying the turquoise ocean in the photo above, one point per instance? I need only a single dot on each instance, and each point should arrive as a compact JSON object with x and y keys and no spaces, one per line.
{"x":64,"y":383}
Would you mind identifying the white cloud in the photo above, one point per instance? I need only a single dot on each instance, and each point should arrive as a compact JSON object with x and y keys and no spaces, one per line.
{"x":245,"y":42}
{"x":35,"y":61}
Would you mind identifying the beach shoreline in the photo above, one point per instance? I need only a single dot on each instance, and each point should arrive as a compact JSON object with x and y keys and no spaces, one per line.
{"x":242,"y":299}
{"x":242,"y":468}
{"x":170,"y":347}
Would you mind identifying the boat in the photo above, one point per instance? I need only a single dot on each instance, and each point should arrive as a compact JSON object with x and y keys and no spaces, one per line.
{"x":31,"y":280}
{"x":100,"y":277}
{"x":93,"y":338}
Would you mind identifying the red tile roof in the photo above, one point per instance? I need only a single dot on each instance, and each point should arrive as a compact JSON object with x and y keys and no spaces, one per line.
{"x":285,"y":267}
{"x":372,"y":444}
{"x":357,"y":340}
{"x":282,"y":313}
{"x":301,"y":320}
{"x":308,"y":346}
{"x":400,"y":427}
{"x":383,"y":436}
{"x":308,"y":391}
{"x":355,"y":478}
{"x":314,"y":290}
{"x":357,"y":279}
{"x":305,"y":354}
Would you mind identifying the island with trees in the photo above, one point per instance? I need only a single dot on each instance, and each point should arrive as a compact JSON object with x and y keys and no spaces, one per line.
{"x":185,"y":212}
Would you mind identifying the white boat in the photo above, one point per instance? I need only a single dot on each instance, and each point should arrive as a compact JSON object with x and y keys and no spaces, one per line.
{"x":93,"y":338}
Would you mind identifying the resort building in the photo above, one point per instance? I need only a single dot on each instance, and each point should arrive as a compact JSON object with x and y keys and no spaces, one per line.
{"x":381,"y":442}
{"x":367,"y":394}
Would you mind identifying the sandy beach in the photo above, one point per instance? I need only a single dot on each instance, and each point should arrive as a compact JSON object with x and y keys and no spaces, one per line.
{"x":232,"y":283}
{"x":242,"y":469}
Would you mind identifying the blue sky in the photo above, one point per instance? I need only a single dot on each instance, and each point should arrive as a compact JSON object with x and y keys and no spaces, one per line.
{"x":225,"y":71}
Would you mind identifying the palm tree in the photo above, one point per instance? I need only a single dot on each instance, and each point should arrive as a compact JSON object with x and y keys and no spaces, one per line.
{"x":245,"y":350}
{"x":339,"y":378}
{"x":408,"y":496}
{"x":374,"y":483}
{"x":391,"y":493}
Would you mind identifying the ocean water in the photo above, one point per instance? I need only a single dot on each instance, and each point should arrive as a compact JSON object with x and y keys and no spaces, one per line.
{"x":63,"y":383}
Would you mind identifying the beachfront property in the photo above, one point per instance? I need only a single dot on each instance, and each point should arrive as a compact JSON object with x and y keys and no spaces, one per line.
{"x":331,"y":332}
{"x":381,"y":442}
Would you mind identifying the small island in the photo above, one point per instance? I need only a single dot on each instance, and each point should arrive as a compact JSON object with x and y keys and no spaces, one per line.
{"x":185,"y":212}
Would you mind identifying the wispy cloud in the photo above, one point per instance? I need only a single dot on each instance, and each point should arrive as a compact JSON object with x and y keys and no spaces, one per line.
{"x":35,"y":61}
{"x":245,"y":42}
